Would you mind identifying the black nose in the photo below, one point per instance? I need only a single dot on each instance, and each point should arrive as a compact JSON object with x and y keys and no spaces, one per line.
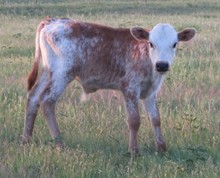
{"x":162,"y":66}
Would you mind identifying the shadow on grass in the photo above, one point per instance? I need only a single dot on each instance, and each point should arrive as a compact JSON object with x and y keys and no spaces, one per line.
{"x":184,"y":158}
{"x":188,"y":157}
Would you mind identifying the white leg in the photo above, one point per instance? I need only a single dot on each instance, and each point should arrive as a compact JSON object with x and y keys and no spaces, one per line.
{"x":154,"y":116}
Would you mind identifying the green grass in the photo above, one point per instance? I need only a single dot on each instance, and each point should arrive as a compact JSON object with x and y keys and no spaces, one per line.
{"x":95,"y":132}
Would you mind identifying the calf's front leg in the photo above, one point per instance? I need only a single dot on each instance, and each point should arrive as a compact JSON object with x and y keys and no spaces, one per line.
{"x":133,"y":121}
{"x":154,"y":116}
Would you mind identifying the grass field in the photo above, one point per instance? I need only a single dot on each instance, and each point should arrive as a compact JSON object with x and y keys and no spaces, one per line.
{"x":95,"y":132}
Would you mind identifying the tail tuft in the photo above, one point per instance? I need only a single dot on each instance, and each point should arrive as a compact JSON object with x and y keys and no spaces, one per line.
{"x":32,"y":76}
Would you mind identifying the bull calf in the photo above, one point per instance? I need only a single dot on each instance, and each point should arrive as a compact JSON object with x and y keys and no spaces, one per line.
{"x":132,"y":61}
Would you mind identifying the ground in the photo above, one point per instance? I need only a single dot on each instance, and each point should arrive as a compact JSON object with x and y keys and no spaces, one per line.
{"x":95,"y":132}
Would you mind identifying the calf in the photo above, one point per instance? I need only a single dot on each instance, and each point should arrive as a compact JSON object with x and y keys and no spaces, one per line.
{"x":132,"y":61}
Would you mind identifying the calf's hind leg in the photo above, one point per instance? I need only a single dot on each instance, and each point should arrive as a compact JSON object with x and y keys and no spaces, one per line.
{"x":32,"y":107}
{"x":48,"y":98}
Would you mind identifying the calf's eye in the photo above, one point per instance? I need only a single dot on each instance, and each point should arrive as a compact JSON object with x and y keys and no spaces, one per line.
{"x":151,"y":45}
{"x":174,"y":45}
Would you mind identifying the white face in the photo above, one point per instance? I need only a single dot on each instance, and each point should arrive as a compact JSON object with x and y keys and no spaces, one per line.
{"x":162,"y":40}
{"x":162,"y":46}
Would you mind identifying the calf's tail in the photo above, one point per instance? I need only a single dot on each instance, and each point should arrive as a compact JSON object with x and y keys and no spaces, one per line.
{"x":34,"y":71}
{"x":32,"y":77}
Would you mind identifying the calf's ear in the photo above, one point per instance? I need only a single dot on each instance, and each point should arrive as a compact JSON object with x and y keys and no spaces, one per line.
{"x":186,"y":34}
{"x":139,"y":33}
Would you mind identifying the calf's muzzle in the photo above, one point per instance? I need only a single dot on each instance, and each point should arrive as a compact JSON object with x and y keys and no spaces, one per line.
{"x":162,"y":67}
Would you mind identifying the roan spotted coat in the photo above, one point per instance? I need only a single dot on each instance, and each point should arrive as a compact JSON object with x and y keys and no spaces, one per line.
{"x":132,"y":61}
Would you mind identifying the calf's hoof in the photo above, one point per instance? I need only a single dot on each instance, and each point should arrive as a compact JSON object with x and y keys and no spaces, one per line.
{"x":133,"y":153}
{"x":25,"y":139}
{"x":161,"y":146}
{"x":59,"y":145}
